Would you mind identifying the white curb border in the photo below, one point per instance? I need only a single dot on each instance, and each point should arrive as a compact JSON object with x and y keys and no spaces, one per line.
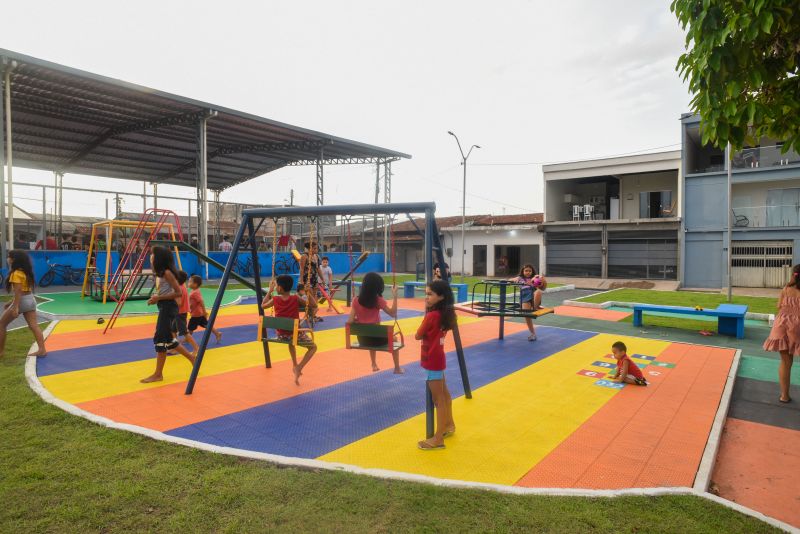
{"x":309,"y":464}
{"x":767,"y":317}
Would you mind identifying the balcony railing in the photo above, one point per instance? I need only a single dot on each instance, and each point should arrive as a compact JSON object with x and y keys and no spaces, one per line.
{"x":774,"y":216}
{"x":764,"y":156}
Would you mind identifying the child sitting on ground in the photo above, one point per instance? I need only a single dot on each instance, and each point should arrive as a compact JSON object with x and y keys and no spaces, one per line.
{"x":198,"y":316}
{"x":366,"y":309}
{"x":627,"y":370}
{"x":288,"y":305}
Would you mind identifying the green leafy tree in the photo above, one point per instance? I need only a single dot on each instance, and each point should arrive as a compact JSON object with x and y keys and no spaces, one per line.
{"x":742,"y":59}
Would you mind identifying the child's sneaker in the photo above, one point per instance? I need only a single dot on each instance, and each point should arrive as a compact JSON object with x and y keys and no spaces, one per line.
{"x":532,"y":337}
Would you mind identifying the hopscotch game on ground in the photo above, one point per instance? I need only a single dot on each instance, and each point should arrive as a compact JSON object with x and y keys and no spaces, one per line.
{"x":642,"y":361}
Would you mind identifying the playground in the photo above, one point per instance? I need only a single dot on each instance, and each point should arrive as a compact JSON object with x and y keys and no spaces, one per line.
{"x":541,"y":414}
{"x":539,"y":422}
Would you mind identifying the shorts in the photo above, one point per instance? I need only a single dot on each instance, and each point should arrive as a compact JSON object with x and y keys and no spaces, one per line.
{"x":194,"y":322}
{"x":163,"y":339}
{"x":435,"y":375}
{"x":27,"y":303}
{"x":180,"y":324}
{"x":639,"y":381}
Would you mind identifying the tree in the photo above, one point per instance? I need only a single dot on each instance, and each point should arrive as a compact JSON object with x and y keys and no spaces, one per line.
{"x":742,"y":64}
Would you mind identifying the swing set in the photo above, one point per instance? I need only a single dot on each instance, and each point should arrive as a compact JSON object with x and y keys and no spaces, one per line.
{"x":245,"y":240}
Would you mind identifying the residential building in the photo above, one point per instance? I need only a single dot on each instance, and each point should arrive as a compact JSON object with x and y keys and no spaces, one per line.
{"x":765,"y":212}
{"x":613,"y":218}
{"x":496,"y":245}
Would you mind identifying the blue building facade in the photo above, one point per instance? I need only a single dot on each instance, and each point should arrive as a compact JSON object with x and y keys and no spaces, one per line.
{"x":765,"y":213}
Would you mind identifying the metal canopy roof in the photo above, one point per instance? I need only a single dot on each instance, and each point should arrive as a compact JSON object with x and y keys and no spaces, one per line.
{"x":68,"y":120}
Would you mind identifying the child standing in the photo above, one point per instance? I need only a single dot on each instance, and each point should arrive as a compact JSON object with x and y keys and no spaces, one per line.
{"x":327,"y":279}
{"x":366,"y":309}
{"x":627,"y":370}
{"x":526,"y":278}
{"x":169,"y":292}
{"x":198,"y":316}
{"x":439,"y":318}
{"x":21,"y":282}
{"x":183,"y":312}
{"x":288,"y":305}
{"x":785,"y":334}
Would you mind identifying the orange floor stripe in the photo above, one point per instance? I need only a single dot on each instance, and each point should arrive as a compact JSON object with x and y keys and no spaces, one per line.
{"x":167,"y":407}
{"x":757,"y":466}
{"x":644,"y":436}
{"x":591,"y":313}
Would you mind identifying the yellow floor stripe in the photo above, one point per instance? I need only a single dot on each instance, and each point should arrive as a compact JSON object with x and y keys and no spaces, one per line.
{"x":509,"y":425}
{"x":106,"y":381}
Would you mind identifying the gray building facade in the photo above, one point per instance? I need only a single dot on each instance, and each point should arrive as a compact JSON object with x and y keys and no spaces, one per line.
{"x":765,"y":212}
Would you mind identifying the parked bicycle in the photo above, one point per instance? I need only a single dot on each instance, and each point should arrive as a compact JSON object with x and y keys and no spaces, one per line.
{"x":69,"y":275}
{"x":285,"y":265}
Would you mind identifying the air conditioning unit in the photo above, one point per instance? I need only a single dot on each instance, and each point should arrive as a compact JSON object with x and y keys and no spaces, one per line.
{"x":569,"y":198}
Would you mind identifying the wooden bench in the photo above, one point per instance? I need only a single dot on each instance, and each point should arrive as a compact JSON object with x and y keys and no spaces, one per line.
{"x":730,"y":317}
{"x":459,"y":290}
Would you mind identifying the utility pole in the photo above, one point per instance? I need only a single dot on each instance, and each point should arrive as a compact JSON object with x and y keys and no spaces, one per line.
{"x":463,"y":206}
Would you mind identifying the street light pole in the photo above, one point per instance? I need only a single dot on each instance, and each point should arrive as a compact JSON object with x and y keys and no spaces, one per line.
{"x":463,"y":205}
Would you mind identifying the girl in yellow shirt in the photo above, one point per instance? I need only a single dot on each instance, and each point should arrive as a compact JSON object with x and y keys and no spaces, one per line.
{"x":20,"y":284}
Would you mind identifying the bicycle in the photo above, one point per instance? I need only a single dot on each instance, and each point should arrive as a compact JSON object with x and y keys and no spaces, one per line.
{"x":69,"y":275}
{"x":245,"y":267}
{"x":285,"y":265}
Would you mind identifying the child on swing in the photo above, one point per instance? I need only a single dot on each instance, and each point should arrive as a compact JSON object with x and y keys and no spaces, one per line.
{"x":288,"y":305}
{"x":366,"y":309}
{"x":439,"y":318}
{"x":311,"y":276}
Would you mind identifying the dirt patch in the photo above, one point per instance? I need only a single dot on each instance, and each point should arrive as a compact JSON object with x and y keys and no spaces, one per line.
{"x":638,"y":284}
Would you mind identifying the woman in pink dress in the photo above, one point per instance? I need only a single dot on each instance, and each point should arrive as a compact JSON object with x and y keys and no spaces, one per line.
{"x":785,"y":334}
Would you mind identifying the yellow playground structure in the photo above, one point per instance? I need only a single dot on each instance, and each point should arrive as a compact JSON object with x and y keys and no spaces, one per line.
{"x":96,"y":283}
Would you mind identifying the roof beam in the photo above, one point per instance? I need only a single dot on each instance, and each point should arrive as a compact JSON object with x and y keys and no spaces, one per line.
{"x":252,"y":148}
{"x":122,"y":129}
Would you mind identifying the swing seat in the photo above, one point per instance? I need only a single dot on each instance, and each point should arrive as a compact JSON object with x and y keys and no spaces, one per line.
{"x":284,"y":323}
{"x":393,"y":340}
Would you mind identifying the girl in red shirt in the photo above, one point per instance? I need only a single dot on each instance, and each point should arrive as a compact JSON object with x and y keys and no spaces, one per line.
{"x":440,"y":318}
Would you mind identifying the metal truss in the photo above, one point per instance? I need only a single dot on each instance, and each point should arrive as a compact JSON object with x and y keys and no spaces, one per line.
{"x":341,"y":161}
{"x":252,"y":148}
{"x":172,"y":120}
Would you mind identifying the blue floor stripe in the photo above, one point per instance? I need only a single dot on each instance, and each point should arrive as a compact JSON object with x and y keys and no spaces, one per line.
{"x":62,"y":361}
{"x":326,"y":419}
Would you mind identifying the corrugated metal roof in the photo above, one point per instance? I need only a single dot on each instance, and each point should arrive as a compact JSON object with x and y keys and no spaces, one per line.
{"x":64,"y":119}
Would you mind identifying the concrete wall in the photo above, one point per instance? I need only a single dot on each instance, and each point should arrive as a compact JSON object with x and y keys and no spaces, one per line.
{"x":632,"y":184}
{"x":474,"y":237}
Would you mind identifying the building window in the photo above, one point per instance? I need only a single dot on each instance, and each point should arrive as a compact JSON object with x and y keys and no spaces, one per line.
{"x":783,"y":207}
{"x":655,"y":204}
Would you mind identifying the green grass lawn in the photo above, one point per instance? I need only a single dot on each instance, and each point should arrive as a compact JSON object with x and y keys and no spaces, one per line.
{"x":683,"y":298}
{"x":61,"y":473}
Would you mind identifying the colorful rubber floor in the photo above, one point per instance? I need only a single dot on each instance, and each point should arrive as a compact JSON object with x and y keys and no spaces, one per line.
{"x":541,"y":414}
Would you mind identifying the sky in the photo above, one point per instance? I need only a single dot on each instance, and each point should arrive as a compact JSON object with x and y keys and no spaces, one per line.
{"x":531,"y":82}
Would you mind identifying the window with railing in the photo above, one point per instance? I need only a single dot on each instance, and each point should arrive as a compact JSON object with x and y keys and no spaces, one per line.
{"x":781,"y":209}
